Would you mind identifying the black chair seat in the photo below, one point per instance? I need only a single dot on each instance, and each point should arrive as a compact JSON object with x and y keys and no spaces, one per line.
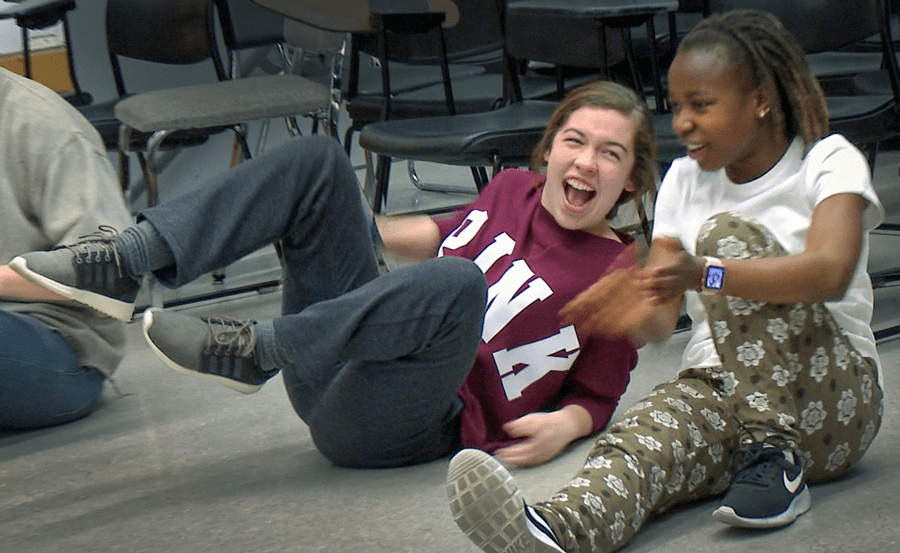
{"x":872,"y":82}
{"x":474,"y":90}
{"x":470,"y":140}
{"x":369,"y":108}
{"x":864,"y":119}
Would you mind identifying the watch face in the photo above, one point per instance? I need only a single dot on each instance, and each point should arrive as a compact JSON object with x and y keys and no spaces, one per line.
{"x":715,"y":276}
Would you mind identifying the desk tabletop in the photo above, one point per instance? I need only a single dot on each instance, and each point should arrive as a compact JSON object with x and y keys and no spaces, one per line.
{"x":353,"y":15}
{"x":593,"y":8}
{"x":35,"y":8}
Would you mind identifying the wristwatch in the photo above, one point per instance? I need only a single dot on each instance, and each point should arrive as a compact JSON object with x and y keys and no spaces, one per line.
{"x":713,"y":276}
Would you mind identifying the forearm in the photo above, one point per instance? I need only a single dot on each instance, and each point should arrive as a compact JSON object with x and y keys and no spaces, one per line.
{"x":809,"y":277}
{"x":412,"y":238}
{"x":15,"y":288}
{"x":575,"y":422}
{"x":821,"y":272}
{"x":659,"y":325}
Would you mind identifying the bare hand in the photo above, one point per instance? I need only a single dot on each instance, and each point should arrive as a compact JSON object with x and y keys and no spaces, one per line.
{"x":615,"y":306}
{"x":546,"y":435}
{"x":673,"y":271}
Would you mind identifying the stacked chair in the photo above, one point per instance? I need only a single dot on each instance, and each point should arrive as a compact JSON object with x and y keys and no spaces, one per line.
{"x":184,"y":32}
{"x":505,"y":136}
{"x":417,"y":47}
{"x":34,"y":15}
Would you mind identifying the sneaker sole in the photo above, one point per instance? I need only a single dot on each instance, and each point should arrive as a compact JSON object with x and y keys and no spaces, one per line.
{"x":798,"y":506}
{"x":227,"y":382}
{"x":487,"y":505}
{"x":111,"y":307}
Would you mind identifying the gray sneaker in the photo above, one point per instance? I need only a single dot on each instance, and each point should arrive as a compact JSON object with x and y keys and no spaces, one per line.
{"x":219,"y":349}
{"x":488,"y":507}
{"x":89,"y":272}
{"x":768,"y":491}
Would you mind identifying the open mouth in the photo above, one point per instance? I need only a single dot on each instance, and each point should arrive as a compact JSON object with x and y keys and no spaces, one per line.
{"x":695,"y":150}
{"x":577,"y":194}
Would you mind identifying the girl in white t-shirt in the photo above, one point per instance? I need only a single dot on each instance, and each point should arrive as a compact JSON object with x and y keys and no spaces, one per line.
{"x":762,"y":232}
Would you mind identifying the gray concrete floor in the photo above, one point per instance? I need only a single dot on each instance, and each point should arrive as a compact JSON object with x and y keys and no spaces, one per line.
{"x":171,"y":464}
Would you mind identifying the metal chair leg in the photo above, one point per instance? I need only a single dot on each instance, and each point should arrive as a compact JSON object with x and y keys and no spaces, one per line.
{"x":414,"y":177}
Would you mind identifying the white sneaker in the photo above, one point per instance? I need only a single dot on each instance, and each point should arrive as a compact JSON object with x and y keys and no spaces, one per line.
{"x":488,"y":507}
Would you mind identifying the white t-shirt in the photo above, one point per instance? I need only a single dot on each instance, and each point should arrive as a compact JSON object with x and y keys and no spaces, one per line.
{"x":782,"y":200}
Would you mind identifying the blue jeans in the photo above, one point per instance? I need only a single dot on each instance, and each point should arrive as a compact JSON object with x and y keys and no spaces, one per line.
{"x":376,"y":362}
{"x":42,"y":383}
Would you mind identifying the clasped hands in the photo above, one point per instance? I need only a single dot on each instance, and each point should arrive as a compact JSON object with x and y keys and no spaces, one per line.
{"x":623,"y":301}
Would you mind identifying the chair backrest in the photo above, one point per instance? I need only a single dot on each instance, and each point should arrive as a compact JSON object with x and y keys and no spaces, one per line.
{"x":818,"y":25}
{"x":537,"y":38}
{"x":162,"y":31}
{"x":351,"y":16}
{"x":693,"y":6}
{"x":246,"y":24}
{"x":473,"y":31}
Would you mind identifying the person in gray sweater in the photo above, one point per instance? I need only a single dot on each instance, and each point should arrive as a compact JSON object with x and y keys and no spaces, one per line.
{"x":56,"y":185}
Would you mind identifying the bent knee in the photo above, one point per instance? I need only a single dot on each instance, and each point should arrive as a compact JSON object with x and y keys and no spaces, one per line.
{"x":464,"y":275}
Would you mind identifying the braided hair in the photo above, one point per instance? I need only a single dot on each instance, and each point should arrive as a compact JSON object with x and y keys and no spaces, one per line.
{"x":759,"y":42}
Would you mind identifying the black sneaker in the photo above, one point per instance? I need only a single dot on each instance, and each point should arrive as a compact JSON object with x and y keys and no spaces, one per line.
{"x":768,"y":492}
{"x":89,"y":272}
{"x":488,"y":507}
{"x":219,"y":349}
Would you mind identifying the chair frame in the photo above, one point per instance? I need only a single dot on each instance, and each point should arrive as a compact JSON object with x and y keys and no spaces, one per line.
{"x":490,"y":147}
{"x":199,"y":19}
{"x":41,"y":14}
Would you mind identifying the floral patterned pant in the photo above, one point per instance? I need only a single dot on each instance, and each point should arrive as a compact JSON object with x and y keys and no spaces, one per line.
{"x":787,"y":372}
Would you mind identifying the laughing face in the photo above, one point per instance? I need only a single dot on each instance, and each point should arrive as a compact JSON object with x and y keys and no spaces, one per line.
{"x":589,"y":165}
{"x":720,"y":117}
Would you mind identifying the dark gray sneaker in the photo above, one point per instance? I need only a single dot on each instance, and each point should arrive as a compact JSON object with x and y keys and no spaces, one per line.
{"x":222,"y":350}
{"x":488,"y":507}
{"x":768,"y":491}
{"x":89,"y":272}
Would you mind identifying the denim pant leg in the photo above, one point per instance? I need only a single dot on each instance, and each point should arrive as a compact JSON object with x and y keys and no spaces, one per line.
{"x":377,"y":371}
{"x":42,"y":382}
{"x":376,"y":363}
{"x":304,"y":193}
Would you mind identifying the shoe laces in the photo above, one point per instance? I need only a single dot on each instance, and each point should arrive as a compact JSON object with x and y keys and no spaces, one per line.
{"x":230,"y":337}
{"x":759,"y":462}
{"x":97,"y":247}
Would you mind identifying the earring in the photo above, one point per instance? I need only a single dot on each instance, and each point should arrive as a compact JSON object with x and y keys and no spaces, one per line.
{"x":763,"y":112}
